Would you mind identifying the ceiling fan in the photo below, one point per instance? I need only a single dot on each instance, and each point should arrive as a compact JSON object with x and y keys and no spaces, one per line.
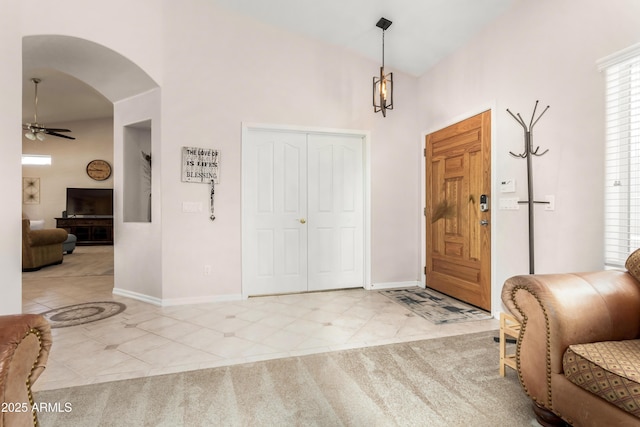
{"x":37,"y":131}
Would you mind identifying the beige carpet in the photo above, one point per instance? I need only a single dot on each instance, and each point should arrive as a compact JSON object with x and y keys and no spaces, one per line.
{"x":450,"y":381}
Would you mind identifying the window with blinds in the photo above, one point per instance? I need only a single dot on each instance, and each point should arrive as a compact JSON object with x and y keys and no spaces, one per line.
{"x":622,"y":156}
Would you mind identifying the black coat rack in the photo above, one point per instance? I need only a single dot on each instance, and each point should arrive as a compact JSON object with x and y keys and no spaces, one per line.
{"x":528,"y":153}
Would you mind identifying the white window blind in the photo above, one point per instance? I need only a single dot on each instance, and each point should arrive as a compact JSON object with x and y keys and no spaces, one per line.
{"x":622,"y":167}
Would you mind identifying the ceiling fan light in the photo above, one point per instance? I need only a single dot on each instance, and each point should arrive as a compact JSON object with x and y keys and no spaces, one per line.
{"x":40,"y":136}
{"x":30,"y":135}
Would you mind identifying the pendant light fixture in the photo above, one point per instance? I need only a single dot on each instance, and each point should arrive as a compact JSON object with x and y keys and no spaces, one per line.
{"x":383,"y":84}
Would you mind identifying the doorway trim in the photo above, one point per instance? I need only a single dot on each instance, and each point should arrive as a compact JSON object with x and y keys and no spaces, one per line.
{"x":495,"y":287}
{"x":366,"y":138}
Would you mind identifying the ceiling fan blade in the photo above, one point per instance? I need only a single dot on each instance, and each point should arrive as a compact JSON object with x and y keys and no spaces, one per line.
{"x":59,"y":135}
{"x":56,"y":130}
{"x":33,"y":126}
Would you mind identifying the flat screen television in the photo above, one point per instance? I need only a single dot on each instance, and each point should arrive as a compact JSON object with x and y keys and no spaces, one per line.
{"x":90,"y":202}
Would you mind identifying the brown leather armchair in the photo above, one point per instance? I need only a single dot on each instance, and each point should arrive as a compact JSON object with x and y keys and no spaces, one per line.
{"x":41,"y":247}
{"x":559,"y":310}
{"x":25,"y":342}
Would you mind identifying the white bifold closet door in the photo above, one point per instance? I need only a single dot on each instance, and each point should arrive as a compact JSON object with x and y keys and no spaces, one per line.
{"x":303,"y":212}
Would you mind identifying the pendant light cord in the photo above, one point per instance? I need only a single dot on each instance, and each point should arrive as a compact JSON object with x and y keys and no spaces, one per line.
{"x":35,"y":110}
{"x":382,"y":48}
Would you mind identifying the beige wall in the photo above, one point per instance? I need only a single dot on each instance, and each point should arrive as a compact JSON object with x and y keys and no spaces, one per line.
{"x":10,"y":176}
{"x":138,"y":245}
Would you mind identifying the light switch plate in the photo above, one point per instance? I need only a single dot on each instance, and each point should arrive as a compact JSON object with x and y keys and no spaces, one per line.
{"x":509,"y":204}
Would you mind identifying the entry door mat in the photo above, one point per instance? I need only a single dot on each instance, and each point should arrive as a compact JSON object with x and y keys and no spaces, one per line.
{"x":436,"y":307}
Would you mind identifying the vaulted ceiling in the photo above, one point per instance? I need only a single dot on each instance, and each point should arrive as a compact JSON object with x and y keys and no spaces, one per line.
{"x":423,"y":32}
{"x":61,"y":98}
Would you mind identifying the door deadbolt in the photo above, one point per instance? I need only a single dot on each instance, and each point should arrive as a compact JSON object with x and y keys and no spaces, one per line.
{"x":484,"y":203}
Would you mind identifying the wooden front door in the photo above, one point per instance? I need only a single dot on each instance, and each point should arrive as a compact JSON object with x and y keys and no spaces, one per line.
{"x":458,"y":174}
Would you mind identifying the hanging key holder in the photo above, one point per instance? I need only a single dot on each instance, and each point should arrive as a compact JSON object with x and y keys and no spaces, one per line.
{"x":212,"y":217}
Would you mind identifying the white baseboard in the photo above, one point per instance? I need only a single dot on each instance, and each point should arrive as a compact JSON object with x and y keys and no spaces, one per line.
{"x":176,"y":301}
{"x":201,"y":300}
{"x":391,"y":285}
{"x":137,"y":296}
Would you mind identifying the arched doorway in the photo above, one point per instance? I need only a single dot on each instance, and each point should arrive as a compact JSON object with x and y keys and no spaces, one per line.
{"x":135,"y":99}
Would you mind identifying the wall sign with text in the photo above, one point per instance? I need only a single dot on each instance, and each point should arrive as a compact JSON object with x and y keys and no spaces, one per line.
{"x":200,"y":165}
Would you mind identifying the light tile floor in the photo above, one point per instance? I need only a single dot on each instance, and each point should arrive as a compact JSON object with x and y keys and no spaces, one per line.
{"x":149,"y":340}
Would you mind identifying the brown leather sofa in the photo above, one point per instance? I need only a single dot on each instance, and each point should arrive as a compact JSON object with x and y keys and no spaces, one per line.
{"x":41,"y":247}
{"x":561,"y":315}
{"x":25,"y":342}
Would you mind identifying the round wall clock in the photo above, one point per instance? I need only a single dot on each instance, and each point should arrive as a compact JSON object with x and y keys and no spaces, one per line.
{"x":99,"y":169}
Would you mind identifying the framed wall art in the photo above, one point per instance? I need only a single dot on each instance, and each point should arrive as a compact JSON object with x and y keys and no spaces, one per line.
{"x":31,"y":191}
{"x":200,"y":165}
